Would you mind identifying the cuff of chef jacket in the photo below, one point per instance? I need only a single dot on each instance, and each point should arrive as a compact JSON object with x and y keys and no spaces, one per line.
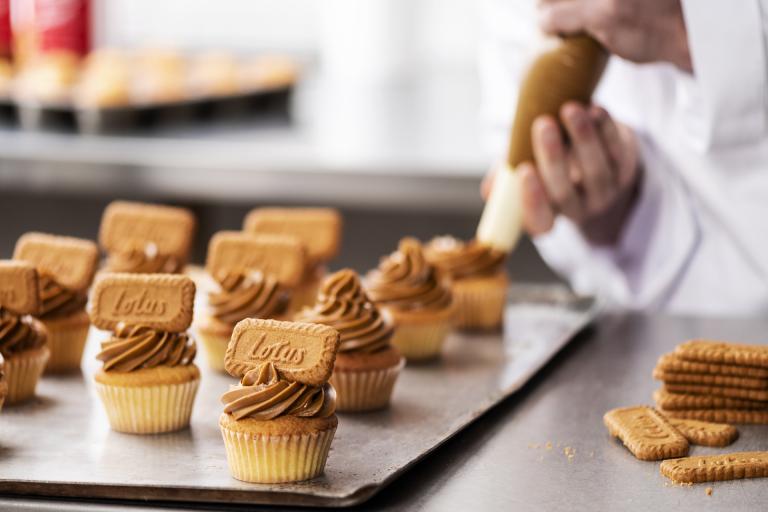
{"x":643,"y":268}
{"x":727,"y":101}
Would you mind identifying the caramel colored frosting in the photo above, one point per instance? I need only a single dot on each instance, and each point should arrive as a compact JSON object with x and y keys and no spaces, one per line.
{"x":263,"y":394}
{"x":463,"y":259}
{"x":19,"y":333}
{"x":148,"y":261}
{"x":253,"y":295}
{"x":57,"y":301}
{"x":133,"y":347}
{"x":343,"y":305}
{"x":406,"y":281}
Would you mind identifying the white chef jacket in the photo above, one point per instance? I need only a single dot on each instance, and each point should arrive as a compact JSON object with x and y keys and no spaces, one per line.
{"x":697,"y":239}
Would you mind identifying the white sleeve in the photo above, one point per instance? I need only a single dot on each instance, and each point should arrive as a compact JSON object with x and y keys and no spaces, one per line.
{"x":642,"y":269}
{"x":727,"y":42}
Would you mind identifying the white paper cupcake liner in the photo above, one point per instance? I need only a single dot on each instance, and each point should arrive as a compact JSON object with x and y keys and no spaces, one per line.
{"x":148,"y":409}
{"x":265,"y":459}
{"x":22,"y":372}
{"x":477,"y":308}
{"x":365,"y":390}
{"x":421,"y":341}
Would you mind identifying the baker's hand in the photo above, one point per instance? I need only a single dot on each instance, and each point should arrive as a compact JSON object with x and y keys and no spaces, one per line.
{"x":592,"y":180}
{"x":637,"y":30}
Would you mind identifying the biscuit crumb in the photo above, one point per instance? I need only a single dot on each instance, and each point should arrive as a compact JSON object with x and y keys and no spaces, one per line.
{"x":548,"y":446}
{"x":569,"y":452}
{"x":708,"y":490}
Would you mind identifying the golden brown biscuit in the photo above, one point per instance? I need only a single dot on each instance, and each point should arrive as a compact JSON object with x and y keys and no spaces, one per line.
{"x":128,"y":226}
{"x":700,"y":389}
{"x":710,"y":379}
{"x":158,"y":301}
{"x":715,"y":468}
{"x":736,"y":416}
{"x":18,"y":287}
{"x":70,"y":261}
{"x":666,"y":400}
{"x":705,"y":433}
{"x":719,"y":352}
{"x":646,"y":433}
{"x":319,"y":229}
{"x":304,"y":353}
{"x":673,"y":363}
{"x":282,"y":257}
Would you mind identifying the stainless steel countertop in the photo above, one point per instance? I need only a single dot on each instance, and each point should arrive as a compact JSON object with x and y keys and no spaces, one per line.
{"x":501,"y":463}
{"x":416,"y":145}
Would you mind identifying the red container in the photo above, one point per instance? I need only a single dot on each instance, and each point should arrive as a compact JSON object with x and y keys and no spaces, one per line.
{"x":62,"y":25}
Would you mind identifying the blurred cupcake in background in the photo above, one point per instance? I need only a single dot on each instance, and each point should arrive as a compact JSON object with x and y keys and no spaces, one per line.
{"x":65,"y":268}
{"x":367,"y":365}
{"x":253,"y":274}
{"x":409,"y":289}
{"x":479,"y":280}
{"x":105,"y":80}
{"x":22,"y":338}
{"x":213,"y":74}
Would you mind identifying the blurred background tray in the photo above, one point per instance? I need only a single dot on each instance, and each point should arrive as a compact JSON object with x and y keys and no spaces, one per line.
{"x":61,"y":445}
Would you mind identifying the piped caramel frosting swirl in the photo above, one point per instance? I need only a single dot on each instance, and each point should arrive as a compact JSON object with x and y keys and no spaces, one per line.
{"x":147,"y":261}
{"x":406,"y":281}
{"x":19,"y":333}
{"x":57,"y":301}
{"x":133,"y":347}
{"x":263,"y":394}
{"x":343,"y":305}
{"x":252,"y":295}
{"x":459,"y":259}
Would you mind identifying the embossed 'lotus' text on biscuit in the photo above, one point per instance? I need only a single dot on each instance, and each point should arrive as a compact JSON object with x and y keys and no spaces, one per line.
{"x":302,"y":352}
{"x":279,"y":352}
{"x":159,"y":301}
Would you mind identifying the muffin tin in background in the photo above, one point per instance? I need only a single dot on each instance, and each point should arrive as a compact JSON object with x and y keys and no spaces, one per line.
{"x":269,"y":98}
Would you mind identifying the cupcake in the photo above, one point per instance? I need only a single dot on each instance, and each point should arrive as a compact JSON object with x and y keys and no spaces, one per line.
{"x":213,"y":74}
{"x":254,"y":274}
{"x":148,"y":381}
{"x":409,"y":289}
{"x":367,"y":365}
{"x":278,"y":422}
{"x":65,"y":268}
{"x":478,"y":280}
{"x":22,"y":338}
{"x":49,"y":78}
{"x":158,"y":77}
{"x":104,"y":81}
{"x":145,"y":238}
{"x":318,"y":229}
{"x":240,"y":296}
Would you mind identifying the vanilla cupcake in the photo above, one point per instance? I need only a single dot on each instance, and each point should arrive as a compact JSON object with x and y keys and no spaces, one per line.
{"x":367,"y":365}
{"x":105,"y":80}
{"x":23,"y":346}
{"x":65,"y":267}
{"x":278,"y":422}
{"x":409,"y":289}
{"x":240,"y":296}
{"x":149,"y":380}
{"x":479,"y":280}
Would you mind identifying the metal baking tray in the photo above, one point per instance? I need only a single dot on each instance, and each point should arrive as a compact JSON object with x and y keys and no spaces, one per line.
{"x":67,"y":117}
{"x":61,"y":445}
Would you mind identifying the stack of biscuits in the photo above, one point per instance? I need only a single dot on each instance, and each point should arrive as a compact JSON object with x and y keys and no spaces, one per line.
{"x":714,"y":381}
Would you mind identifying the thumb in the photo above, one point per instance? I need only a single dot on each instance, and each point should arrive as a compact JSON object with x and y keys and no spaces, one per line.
{"x":563,"y":17}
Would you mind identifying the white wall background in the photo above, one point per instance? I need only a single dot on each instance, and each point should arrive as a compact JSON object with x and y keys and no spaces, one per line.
{"x":436,"y":33}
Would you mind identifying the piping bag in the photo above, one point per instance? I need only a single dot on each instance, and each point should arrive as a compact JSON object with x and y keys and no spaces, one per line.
{"x":568,"y":70}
